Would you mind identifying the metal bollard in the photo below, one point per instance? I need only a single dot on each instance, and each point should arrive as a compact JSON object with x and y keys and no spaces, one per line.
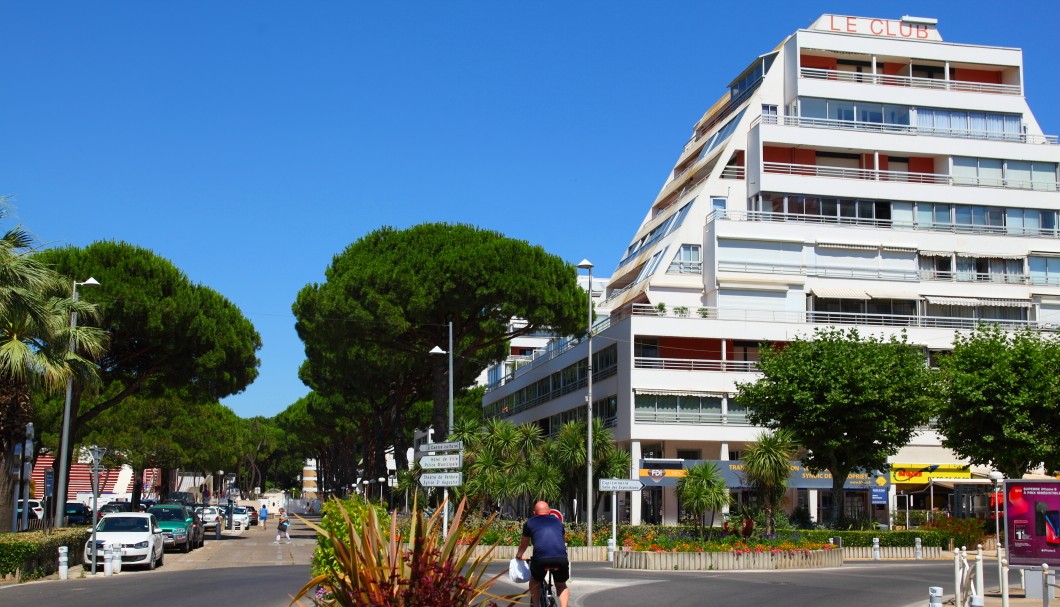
{"x":1046,"y":590}
{"x":875,"y":548}
{"x":977,"y":601}
{"x":1004,"y":583}
{"x":979,"y":589}
{"x":611,"y":549}
{"x":957,"y":576}
{"x":108,"y":558}
{"x":64,"y":562}
{"x":935,"y":596}
{"x":918,"y":550}
{"x":115,"y":555}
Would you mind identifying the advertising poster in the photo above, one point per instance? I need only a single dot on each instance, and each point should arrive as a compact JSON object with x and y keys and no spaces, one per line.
{"x":1032,"y":522}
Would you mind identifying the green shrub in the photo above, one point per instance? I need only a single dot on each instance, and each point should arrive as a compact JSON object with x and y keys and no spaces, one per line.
{"x":32,"y":554}
{"x":964,"y":531}
{"x":863,"y":539}
{"x":335,"y":526}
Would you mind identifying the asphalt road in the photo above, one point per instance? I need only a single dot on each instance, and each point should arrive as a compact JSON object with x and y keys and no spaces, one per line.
{"x":245,"y":568}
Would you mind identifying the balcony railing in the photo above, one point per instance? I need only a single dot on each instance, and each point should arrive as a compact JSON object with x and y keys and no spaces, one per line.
{"x":873,"y":274}
{"x":695,"y":364}
{"x":907,"y":129}
{"x":909,"y":81}
{"x":953,"y":228}
{"x":689,"y":417}
{"x":733,"y":172}
{"x":813,"y":170}
{"x":840,"y":318}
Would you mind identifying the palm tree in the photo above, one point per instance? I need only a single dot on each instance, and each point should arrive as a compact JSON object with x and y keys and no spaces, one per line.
{"x":767,"y":465}
{"x":35,"y":336}
{"x":702,"y":488}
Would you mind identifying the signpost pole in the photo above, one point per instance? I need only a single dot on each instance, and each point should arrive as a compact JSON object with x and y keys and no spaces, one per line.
{"x":614,"y":521}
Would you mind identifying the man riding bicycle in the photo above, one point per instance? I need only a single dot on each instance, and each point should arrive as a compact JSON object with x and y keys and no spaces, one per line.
{"x":544,"y":531}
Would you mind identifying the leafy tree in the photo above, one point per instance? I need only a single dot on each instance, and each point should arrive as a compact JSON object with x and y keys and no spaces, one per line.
{"x":1001,"y":404}
{"x":388,"y":300}
{"x":166,"y":332}
{"x":767,"y":465}
{"x":702,"y":488}
{"x":35,"y":340}
{"x":852,"y":401}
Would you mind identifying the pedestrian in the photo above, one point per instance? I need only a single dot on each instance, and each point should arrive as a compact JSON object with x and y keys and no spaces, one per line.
{"x":282,"y":522}
{"x":263,"y":516}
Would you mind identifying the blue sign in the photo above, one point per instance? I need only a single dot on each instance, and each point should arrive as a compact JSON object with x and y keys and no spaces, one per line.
{"x":879,"y":495}
{"x":49,"y":482}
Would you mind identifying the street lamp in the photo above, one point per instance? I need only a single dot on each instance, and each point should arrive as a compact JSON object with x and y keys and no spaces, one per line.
{"x":585,"y":264}
{"x":64,"y":442}
{"x":366,"y":484}
{"x":381,"y":481}
{"x":449,"y":429}
{"x":97,"y":455}
{"x":997,"y":477}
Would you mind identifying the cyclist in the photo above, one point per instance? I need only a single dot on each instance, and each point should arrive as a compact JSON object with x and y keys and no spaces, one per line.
{"x":544,"y":531}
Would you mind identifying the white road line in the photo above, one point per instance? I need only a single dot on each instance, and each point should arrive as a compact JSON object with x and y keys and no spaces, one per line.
{"x":579,"y":587}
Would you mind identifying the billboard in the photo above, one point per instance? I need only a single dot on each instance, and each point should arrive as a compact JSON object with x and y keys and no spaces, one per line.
{"x":1032,"y":522}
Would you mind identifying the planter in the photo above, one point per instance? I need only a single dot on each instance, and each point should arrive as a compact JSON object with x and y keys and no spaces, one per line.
{"x":728,"y":561}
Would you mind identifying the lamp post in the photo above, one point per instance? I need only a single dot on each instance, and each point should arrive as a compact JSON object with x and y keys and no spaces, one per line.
{"x":365,"y":493}
{"x":97,"y":455}
{"x":585,"y":264}
{"x":381,"y":481}
{"x":997,"y":477}
{"x":449,"y":428}
{"x":64,"y":441}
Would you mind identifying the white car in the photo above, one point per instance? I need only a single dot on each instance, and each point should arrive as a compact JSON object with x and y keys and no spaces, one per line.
{"x":36,"y":510}
{"x":211,"y":517}
{"x":240,"y":517}
{"x":138,"y":535}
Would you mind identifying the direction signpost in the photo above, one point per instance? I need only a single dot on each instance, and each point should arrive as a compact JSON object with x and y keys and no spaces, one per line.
{"x":443,"y":459}
{"x":614,"y":485}
{"x":442,"y":479}
{"x":450,"y":446}
{"x":449,"y":460}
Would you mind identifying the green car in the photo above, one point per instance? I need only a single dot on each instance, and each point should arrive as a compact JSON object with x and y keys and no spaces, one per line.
{"x":177,"y":525}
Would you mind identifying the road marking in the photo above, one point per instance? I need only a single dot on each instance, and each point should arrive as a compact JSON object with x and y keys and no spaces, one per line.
{"x":580,"y":588}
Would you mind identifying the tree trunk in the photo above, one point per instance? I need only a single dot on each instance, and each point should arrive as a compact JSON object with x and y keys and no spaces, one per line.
{"x":137,"y":488}
{"x":839,"y":479}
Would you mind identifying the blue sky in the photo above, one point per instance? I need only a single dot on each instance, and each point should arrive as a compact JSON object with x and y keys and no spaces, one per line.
{"x":250,"y":142}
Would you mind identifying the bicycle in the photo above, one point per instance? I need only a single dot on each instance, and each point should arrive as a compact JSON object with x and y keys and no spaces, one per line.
{"x":548,"y":598}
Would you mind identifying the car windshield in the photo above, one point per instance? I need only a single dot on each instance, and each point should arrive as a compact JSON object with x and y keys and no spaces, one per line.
{"x":240,"y":510}
{"x":167,"y":514}
{"x":76,"y":509}
{"x":123,"y":524}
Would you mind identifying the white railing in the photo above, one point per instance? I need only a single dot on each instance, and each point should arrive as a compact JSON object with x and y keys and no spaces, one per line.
{"x":813,"y":170}
{"x":910,"y":81}
{"x":837,"y":318}
{"x":871,"y":274}
{"x":645,"y":416}
{"x":695,"y":364}
{"x":908,"y":129}
{"x":733,"y":172}
{"x":954,"y":228}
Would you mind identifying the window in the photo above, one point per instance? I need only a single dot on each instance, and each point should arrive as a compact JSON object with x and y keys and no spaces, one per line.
{"x":977,"y":125}
{"x":992,"y":172}
{"x":769,"y":114}
{"x":930,"y":214}
{"x":687,"y":260}
{"x":650,"y":267}
{"x":721,"y":136}
{"x":745,"y":351}
{"x":695,"y":454}
{"x":874,"y":115}
{"x":936,"y":266}
{"x":718,"y":204}
{"x":646,"y":347}
{"x":668,"y":225}
{"x":1044,"y":270}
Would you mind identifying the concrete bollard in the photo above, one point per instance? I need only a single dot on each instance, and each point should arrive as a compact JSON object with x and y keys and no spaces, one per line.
{"x":108,"y":560}
{"x":875,"y":548}
{"x":115,"y":555}
{"x":980,"y":584}
{"x":918,"y":550}
{"x":64,"y":562}
{"x":957,"y":576}
{"x":1004,"y":583}
{"x":611,"y":549}
{"x":977,"y":601}
{"x":217,"y":531}
{"x":935,"y":596}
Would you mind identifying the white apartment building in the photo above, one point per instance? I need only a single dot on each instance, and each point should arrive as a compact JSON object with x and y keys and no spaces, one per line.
{"x":861,"y":173}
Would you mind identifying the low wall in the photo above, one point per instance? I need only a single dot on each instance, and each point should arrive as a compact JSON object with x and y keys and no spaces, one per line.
{"x":576,"y":554}
{"x":895,"y":552}
{"x":725,"y":561}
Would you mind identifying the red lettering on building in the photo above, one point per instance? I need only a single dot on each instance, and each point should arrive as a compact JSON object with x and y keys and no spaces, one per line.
{"x":852,"y":25}
{"x":921,"y":32}
{"x":831,"y":23}
{"x":876,"y":26}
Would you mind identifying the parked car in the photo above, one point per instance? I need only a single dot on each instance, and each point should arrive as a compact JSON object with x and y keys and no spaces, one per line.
{"x":240,"y":517}
{"x":138,"y":534}
{"x":253,"y":515}
{"x":211,"y":518}
{"x":113,"y":507}
{"x":36,"y":510}
{"x":178,"y":525}
{"x":78,"y":514}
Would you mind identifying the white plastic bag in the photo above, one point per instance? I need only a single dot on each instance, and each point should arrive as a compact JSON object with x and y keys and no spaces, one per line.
{"x":519,"y":571}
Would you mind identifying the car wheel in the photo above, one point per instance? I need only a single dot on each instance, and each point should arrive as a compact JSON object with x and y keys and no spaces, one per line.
{"x":152,"y":561}
{"x":186,"y":548}
{"x":162,"y":557}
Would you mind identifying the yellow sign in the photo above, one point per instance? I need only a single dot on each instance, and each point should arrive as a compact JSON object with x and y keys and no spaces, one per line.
{"x":918,"y":474}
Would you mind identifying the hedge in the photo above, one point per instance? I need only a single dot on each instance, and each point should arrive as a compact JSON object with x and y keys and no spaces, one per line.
{"x":34,"y":554}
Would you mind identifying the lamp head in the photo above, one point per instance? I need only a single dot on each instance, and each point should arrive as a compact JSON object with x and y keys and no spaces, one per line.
{"x":585,"y":264}
{"x":995,"y":475}
{"x":437,"y":350}
{"x":91,"y":282}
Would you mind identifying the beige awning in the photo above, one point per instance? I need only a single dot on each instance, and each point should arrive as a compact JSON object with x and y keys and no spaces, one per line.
{"x":936,"y":253}
{"x":893,"y":295}
{"x":839,"y":293}
{"x":848,"y":245}
{"x":952,"y":301}
{"x":977,"y":302}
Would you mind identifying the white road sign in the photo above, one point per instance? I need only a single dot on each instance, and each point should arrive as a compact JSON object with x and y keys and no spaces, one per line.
{"x":436,"y":462}
{"x":442,"y":479}
{"x":453,"y":446}
{"x":620,"y":484}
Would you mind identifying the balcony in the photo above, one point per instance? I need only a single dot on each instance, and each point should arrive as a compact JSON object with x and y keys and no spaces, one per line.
{"x":842,"y":318}
{"x":733,"y":172}
{"x":813,"y":170}
{"x":695,"y":364}
{"x":908,"y":129}
{"x":911,"y":82}
{"x":871,"y":274}
{"x":952,"y":228}
{"x":644,"y":416}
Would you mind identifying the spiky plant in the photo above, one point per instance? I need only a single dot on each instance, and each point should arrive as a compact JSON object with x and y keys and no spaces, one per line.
{"x":375,"y":568}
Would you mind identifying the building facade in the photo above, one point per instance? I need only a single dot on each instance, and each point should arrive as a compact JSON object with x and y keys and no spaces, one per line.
{"x":863,"y":173}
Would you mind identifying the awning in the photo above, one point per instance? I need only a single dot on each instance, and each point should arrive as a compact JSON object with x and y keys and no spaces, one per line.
{"x":848,"y":245}
{"x":893,"y":295}
{"x":952,"y":301}
{"x":661,"y":392}
{"x":839,"y":294}
{"x":936,"y":253}
{"x":899,"y":248}
{"x":1007,"y":303}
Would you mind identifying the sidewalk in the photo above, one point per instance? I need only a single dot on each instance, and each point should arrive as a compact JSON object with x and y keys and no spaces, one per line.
{"x":250,"y":547}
